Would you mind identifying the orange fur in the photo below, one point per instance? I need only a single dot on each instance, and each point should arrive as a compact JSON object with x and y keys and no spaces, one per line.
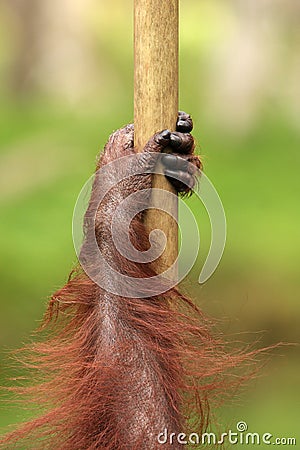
{"x":113,"y":372}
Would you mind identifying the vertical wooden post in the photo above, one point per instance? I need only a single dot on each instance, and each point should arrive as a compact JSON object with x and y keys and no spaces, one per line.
{"x":156,"y":100}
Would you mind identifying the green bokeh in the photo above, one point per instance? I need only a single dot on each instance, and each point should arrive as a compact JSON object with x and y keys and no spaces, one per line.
{"x":48,"y":149}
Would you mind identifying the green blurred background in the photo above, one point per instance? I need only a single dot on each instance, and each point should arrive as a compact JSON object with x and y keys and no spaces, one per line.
{"x":67,"y":81}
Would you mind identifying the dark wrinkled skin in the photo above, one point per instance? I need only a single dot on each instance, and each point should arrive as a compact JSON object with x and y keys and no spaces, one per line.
{"x":181,"y":166}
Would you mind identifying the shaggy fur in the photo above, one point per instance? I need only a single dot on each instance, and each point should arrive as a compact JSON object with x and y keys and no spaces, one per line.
{"x":113,"y":372}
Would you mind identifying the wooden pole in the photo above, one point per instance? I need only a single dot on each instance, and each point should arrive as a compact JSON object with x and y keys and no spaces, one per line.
{"x":156,"y":102}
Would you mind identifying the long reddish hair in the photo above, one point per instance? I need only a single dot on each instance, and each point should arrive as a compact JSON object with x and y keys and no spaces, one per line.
{"x":112,"y":372}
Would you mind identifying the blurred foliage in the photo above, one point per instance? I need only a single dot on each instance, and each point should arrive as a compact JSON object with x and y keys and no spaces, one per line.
{"x":49,"y":142}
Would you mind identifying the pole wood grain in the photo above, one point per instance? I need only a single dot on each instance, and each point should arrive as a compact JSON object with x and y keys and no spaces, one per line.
{"x":156,"y":103}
